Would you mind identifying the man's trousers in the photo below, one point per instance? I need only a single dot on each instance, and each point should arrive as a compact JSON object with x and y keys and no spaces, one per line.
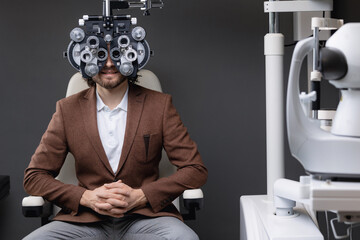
{"x":126,"y":228}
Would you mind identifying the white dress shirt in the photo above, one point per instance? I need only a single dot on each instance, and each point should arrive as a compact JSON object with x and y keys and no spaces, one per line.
{"x":111,"y":125}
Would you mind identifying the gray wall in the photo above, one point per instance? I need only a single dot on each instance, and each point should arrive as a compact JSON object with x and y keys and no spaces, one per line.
{"x":208,"y":55}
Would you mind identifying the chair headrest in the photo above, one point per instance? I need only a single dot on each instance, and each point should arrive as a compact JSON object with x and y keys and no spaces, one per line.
{"x":146,"y":79}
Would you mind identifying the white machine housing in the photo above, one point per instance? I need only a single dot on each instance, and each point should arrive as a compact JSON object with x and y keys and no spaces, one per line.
{"x":322,"y":153}
{"x":346,"y":121}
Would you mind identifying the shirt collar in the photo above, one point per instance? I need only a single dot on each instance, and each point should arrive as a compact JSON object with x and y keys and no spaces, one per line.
{"x":100,"y":105}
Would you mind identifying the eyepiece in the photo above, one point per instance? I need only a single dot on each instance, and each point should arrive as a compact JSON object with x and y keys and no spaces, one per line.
{"x":131,"y":55}
{"x":124,"y":41}
{"x":86,"y":56}
{"x":102,"y":54}
{"x":115,"y":54}
{"x":92,"y":42}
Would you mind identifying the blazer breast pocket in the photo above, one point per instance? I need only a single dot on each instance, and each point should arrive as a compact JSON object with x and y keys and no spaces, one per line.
{"x":148,"y":147}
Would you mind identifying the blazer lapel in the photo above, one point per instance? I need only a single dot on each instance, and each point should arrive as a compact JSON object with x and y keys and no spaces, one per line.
{"x":135,"y":106}
{"x":89,"y":114}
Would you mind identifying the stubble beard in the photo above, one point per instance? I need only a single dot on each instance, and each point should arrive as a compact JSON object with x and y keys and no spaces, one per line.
{"x":109,"y":83}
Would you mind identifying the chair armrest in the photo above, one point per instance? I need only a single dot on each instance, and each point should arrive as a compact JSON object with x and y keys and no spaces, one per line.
{"x":34,"y":206}
{"x":33,"y":201}
{"x":193,"y":201}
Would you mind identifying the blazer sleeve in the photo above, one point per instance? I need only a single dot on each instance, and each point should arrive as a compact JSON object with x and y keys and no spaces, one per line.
{"x":45,"y":164}
{"x":183,"y":153}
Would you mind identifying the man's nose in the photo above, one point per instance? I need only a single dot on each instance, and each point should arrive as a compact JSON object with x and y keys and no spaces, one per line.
{"x":109,"y":63}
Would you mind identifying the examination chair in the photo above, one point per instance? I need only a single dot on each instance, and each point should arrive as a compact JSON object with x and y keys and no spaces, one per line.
{"x":35,"y":206}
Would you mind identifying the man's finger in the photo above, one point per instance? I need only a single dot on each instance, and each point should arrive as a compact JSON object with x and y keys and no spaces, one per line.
{"x":103,"y":206}
{"x":119,"y":191}
{"x":113,"y":193}
{"x":109,"y":213}
{"x":115,"y":185}
{"x":117,"y":203}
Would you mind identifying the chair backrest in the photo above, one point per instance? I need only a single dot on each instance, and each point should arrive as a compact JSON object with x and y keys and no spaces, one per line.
{"x":76,"y":84}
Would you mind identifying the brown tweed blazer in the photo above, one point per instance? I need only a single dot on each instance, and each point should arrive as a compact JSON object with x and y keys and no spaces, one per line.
{"x":152,"y":123}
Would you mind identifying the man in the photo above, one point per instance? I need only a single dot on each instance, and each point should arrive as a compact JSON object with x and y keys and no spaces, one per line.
{"x":119,"y":195}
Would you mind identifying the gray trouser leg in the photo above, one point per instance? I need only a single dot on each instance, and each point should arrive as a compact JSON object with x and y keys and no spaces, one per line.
{"x":62,"y":230}
{"x":161,"y":228}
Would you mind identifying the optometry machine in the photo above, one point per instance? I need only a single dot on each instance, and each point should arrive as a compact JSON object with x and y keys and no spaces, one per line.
{"x":327,"y":147}
{"x":128,"y":49}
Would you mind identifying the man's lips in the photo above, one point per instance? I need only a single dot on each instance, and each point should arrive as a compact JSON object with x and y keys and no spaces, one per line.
{"x":109,"y":71}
